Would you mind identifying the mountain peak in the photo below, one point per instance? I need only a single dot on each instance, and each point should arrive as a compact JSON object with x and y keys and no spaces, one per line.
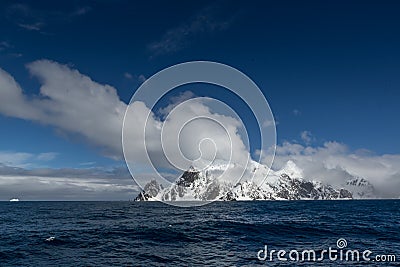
{"x":360,"y":187}
{"x":188,"y":177}
{"x":292,"y":170}
{"x":286,"y":184}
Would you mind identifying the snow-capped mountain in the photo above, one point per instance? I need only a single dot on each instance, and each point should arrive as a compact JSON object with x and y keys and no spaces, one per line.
{"x":361,"y":188}
{"x":285,"y":184}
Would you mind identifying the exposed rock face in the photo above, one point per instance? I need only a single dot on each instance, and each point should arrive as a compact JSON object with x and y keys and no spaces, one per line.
{"x":200,"y":186}
{"x":286,"y":188}
{"x":361,"y":188}
{"x":192,"y":185}
{"x":345,"y":194}
{"x":151,"y":190}
{"x":188,"y":177}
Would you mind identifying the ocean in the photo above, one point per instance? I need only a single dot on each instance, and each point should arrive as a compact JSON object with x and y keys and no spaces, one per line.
{"x":217,"y":234}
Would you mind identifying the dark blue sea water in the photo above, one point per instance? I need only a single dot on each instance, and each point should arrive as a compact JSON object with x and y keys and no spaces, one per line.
{"x":218,"y":234}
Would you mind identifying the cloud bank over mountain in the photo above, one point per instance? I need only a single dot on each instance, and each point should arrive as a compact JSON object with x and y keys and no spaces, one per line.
{"x":75,"y":104}
{"x":335,"y":163}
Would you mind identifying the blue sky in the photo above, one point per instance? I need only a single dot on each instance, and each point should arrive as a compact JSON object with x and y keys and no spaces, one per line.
{"x":330,"y":70}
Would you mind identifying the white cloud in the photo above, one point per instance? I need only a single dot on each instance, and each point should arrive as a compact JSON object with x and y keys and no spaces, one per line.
{"x":4,"y":45}
{"x":176,"y":100}
{"x":47,"y":156}
{"x":141,"y":78}
{"x":81,"y":11}
{"x":69,"y":101}
{"x":269,"y":123}
{"x":65,"y":188}
{"x":92,"y":183}
{"x":15,"y":159}
{"x":296,"y":112}
{"x":334,"y":163}
{"x":75,"y":104}
{"x":23,"y":159}
{"x":208,"y":136}
{"x":36,"y":17}
{"x":15,"y":55}
{"x":128,"y":76}
{"x":307,"y":137}
{"x":89,"y":163}
{"x":7,"y":47}
{"x":206,"y":21}
{"x":37,"y":26}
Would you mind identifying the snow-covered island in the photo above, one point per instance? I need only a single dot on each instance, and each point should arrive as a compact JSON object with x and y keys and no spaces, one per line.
{"x":285,"y":184}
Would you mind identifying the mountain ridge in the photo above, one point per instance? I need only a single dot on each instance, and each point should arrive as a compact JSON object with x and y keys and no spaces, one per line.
{"x":285,"y":184}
